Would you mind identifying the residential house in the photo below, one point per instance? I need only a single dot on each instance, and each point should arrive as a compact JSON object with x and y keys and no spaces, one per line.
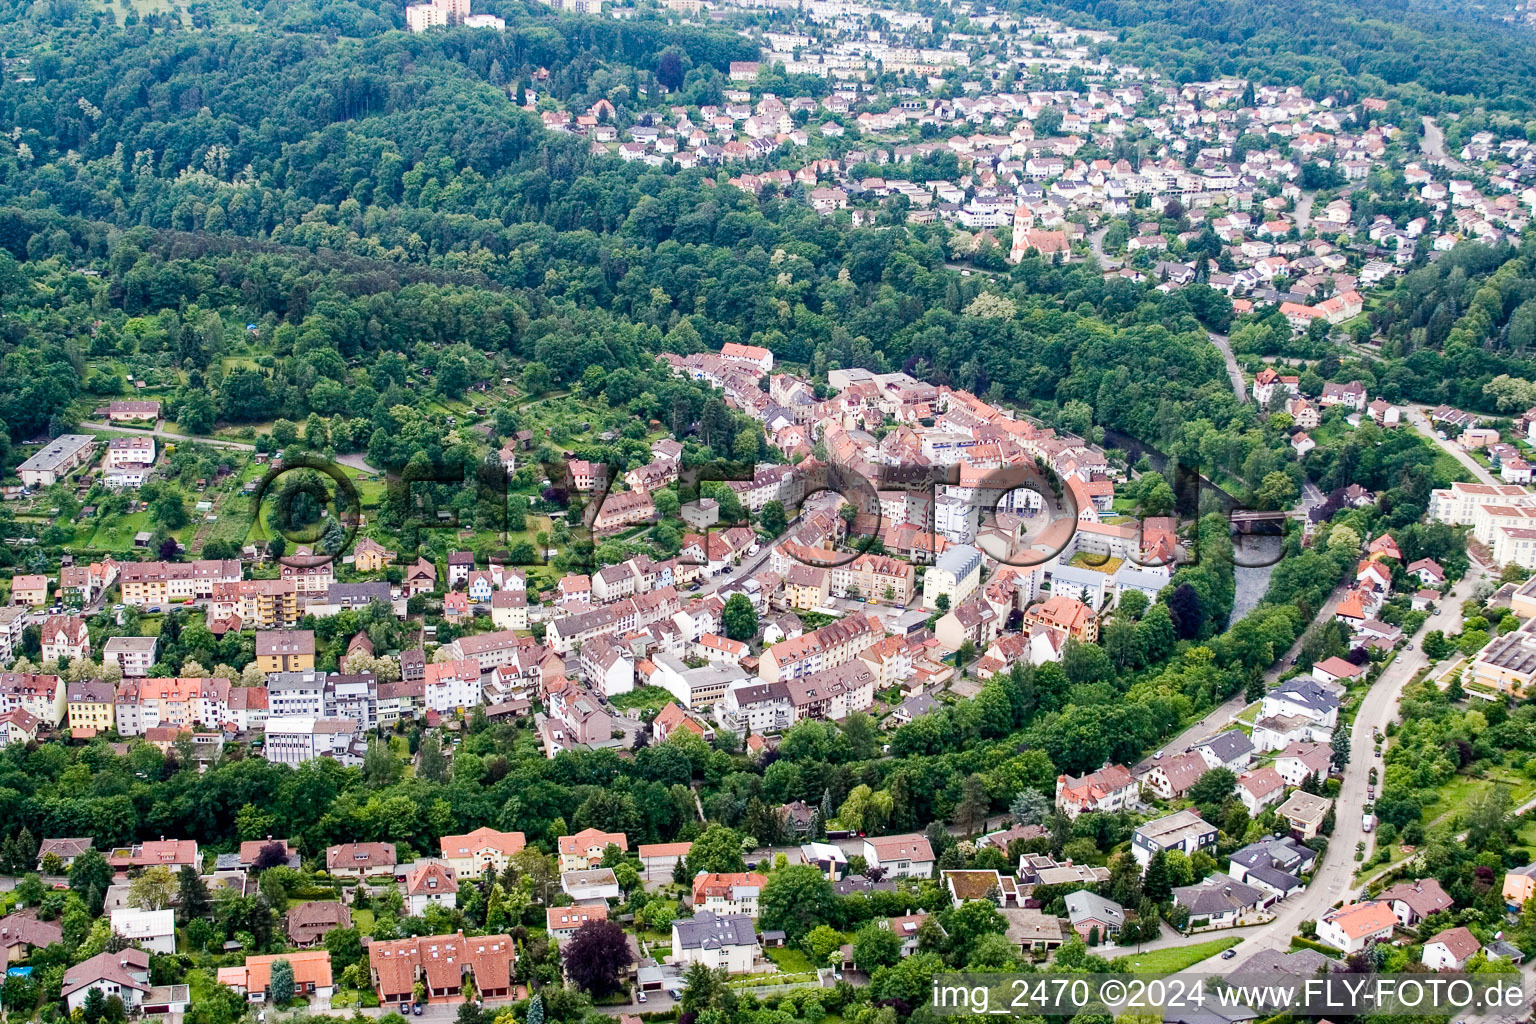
{"x":1413,"y":901}
{"x":308,"y":922}
{"x":1220,"y":902}
{"x":442,"y":963}
{"x":1304,"y":813}
{"x":1450,"y":950}
{"x":253,"y":979}
{"x":1354,"y":926}
{"x":1182,"y":830}
{"x":1171,"y":777}
{"x":563,"y":923}
{"x":1274,"y":864}
{"x":65,"y":637}
{"x":1033,"y":931}
{"x":152,"y":930}
{"x":731,"y":892}
{"x":1260,"y":788}
{"x":1089,"y":913}
{"x":124,"y":974}
{"x":590,"y":885}
{"x":727,"y":942}
{"x":903,"y":856}
{"x":430,"y":885}
{"x":21,"y":932}
{"x":1108,"y":789}
{"x":585,"y":848}
{"x":360,"y":860}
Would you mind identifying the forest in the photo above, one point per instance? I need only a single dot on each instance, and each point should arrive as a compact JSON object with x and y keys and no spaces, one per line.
{"x":1432,"y":56}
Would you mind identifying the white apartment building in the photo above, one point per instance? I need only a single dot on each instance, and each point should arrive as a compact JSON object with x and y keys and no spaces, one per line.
{"x":295,"y":740}
{"x":133,"y":654}
{"x":1458,"y":503}
{"x":453,"y":685}
{"x":955,"y":575}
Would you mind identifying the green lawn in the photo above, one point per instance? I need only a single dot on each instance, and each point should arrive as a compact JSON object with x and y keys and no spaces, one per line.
{"x":1177,"y":958}
{"x":790,"y":960}
{"x":363,"y":920}
{"x":1453,"y":797}
{"x":643,"y":697}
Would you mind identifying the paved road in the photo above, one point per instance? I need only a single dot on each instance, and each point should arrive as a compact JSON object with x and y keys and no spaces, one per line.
{"x":1420,"y":421}
{"x":1239,"y":382}
{"x":160,"y":431}
{"x":1433,"y":146}
{"x":354,"y":460}
{"x":1303,"y":211}
{"x":1334,"y":881}
{"x":1096,"y":243}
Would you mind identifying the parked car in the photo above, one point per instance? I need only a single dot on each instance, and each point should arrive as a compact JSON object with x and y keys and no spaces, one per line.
{"x":1228,"y":954}
{"x":405,"y":1006}
{"x":416,"y":1009}
{"x":640,"y":998}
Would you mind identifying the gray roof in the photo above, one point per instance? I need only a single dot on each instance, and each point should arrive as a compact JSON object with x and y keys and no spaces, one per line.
{"x":708,"y":930}
{"x":959,"y":560}
{"x":57,"y":452}
{"x":1307,"y":693}
{"x":918,"y":704}
{"x":1218,"y":894}
{"x":1303,"y":963}
{"x":1090,"y":906}
{"x":295,"y":681}
{"x":358,"y":593}
{"x":1275,"y":878}
{"x":1233,"y":743}
{"x":1271,"y":852}
{"x":1505,"y":950}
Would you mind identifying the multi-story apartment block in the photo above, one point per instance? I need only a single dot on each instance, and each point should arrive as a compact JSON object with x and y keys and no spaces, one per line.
{"x":756,"y":707}
{"x":128,"y":461}
{"x":471,"y":854}
{"x":833,"y":693}
{"x":135,"y":655}
{"x":56,"y":459}
{"x":353,"y":696}
{"x":41,"y":696}
{"x":157,"y":584}
{"x":295,"y":740}
{"x":258,"y":604}
{"x":65,"y":636}
{"x":91,"y":705}
{"x":954,"y":576}
{"x":453,"y":685}
{"x":834,"y":644}
{"x":285,"y":650}
{"x":1458,"y":503}
{"x":13,"y":620}
{"x":296,"y":694}
{"x":310,"y":574}
{"x":489,"y":650}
